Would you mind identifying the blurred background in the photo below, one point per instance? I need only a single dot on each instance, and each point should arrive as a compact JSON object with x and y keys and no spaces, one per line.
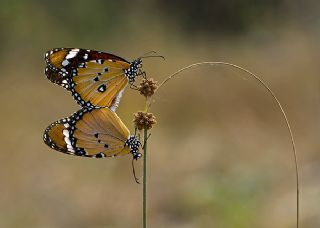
{"x":220,"y":155}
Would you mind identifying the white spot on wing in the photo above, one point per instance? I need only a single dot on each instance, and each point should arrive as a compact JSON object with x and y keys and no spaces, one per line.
{"x":70,"y":148}
{"x":66,"y":133}
{"x":72,"y":53}
{"x":67,"y":140}
{"x":65,"y":62}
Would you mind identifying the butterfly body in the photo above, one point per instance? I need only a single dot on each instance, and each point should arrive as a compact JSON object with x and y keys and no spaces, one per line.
{"x":94,"y":78}
{"x":92,"y":132}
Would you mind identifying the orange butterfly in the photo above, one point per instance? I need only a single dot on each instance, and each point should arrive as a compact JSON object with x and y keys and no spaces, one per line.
{"x":95,"y":79}
{"x":92,"y":132}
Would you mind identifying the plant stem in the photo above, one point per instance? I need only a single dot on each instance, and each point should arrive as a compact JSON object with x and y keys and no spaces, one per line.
{"x":145,"y":178}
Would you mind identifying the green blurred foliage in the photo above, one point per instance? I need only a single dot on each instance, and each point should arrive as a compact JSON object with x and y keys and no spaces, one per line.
{"x":219,"y":16}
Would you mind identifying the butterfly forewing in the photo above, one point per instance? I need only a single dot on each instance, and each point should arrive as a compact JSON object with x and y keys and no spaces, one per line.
{"x":90,"y":133}
{"x":94,"y":78}
{"x":102,"y":92}
{"x":59,"y":57}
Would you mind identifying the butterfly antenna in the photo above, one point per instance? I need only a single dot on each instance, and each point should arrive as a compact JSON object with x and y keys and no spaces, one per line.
{"x":148,"y":53}
{"x":153,"y":56}
{"x":137,"y":180}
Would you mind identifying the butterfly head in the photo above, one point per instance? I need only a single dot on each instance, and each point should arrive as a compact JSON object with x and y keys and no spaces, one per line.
{"x":133,"y":143}
{"x":134,"y":70}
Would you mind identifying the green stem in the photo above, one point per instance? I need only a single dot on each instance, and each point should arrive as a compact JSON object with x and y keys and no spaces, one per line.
{"x":145,"y":178}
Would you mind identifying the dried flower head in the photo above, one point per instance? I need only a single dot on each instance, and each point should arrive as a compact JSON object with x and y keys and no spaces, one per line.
{"x":147,"y":87}
{"x":144,"y":120}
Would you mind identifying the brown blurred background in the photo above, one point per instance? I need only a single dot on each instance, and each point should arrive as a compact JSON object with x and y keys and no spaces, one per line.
{"x":220,"y":155}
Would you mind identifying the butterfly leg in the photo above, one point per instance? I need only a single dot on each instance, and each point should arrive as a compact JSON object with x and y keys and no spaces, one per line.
{"x":134,"y":173}
{"x":133,"y":86}
{"x":144,"y":75}
{"x":137,"y":133}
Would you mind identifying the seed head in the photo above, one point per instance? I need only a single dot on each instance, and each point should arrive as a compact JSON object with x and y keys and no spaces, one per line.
{"x":144,"y":120}
{"x":147,"y":87}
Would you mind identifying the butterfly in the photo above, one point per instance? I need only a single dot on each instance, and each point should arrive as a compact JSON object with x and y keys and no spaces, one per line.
{"x":92,"y":132}
{"x":95,"y":79}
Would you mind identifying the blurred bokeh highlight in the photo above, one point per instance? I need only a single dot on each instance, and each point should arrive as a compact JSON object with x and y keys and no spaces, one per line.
{"x":220,"y":155}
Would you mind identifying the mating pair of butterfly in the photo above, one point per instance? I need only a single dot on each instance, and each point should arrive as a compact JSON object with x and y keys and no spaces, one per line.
{"x":96,"y":81}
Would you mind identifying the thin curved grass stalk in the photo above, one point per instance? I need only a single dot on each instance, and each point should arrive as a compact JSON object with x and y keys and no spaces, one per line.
{"x":261,"y":82}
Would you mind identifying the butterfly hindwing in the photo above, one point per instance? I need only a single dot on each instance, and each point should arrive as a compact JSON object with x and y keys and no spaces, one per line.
{"x":94,"y":78}
{"x":90,"y":133}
